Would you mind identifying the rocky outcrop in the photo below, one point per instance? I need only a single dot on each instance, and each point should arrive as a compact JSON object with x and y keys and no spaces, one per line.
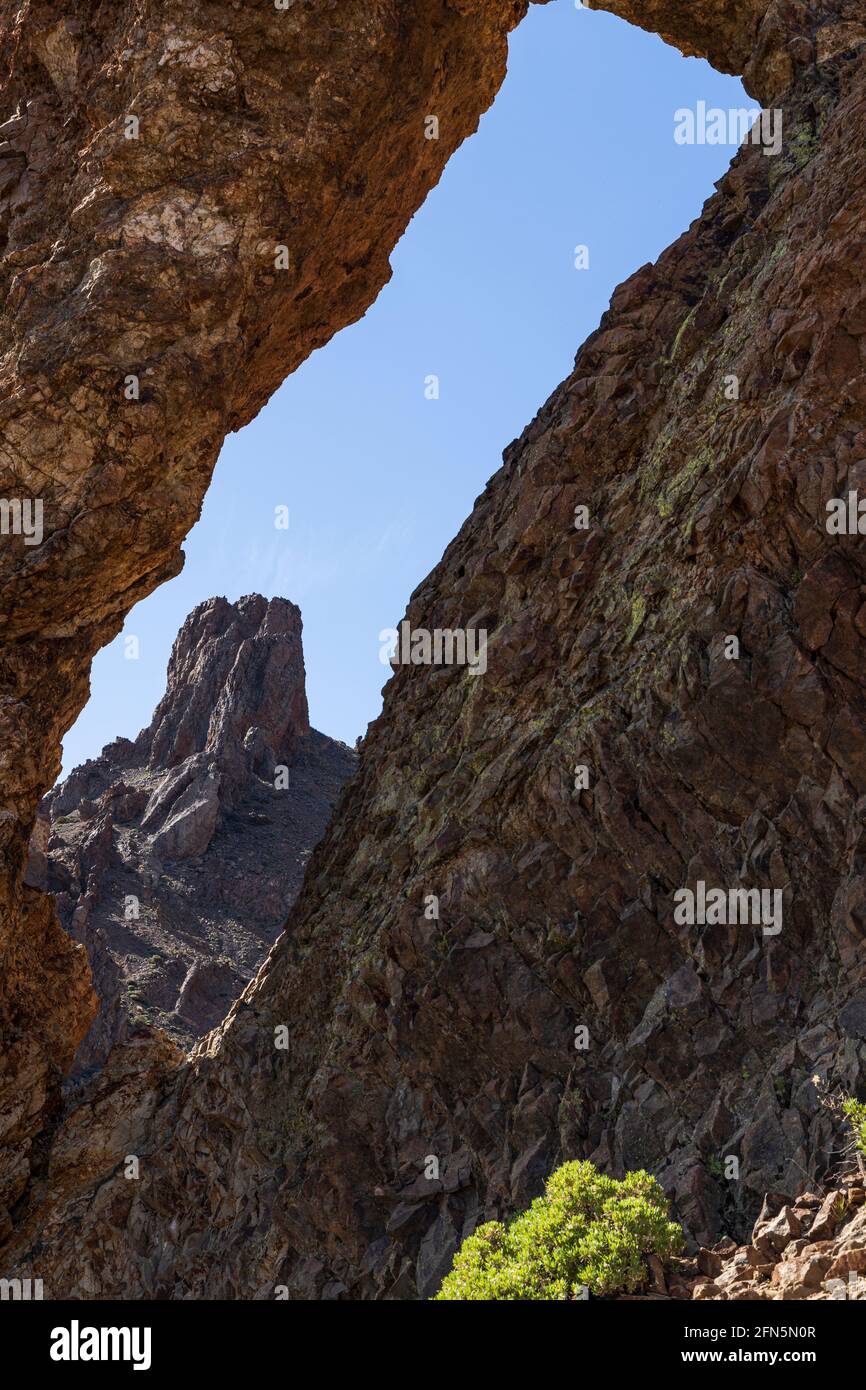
{"x":175,"y":858}
{"x":772,"y":43}
{"x":192,"y":199}
{"x":811,"y":1247}
{"x":488,"y":967}
{"x":235,"y":692}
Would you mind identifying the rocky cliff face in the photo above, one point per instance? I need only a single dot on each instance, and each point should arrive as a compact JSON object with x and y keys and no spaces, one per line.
{"x":486,"y":969}
{"x":192,"y":199}
{"x":176,"y":857}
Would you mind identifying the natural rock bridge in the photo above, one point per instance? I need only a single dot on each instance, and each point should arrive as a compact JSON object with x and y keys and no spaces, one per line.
{"x":148,"y":310}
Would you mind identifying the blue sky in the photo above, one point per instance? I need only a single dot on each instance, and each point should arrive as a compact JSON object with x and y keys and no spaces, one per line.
{"x":578,"y":149}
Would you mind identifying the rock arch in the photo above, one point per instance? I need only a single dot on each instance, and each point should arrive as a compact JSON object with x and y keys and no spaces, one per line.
{"x":408,"y":1041}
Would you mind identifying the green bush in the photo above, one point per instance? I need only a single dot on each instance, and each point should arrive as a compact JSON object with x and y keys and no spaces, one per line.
{"x":855,"y":1114}
{"x":587,"y":1231}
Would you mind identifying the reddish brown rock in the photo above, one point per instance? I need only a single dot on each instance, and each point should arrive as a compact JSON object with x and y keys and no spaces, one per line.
{"x":829,"y":1215}
{"x":824,"y":1269}
{"x":157,"y":171}
{"x":709,"y":1262}
{"x":413,"y":1035}
{"x":771,"y":1238}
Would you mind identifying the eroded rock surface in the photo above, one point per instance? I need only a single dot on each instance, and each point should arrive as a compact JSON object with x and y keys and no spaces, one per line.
{"x":175,"y":857}
{"x":809,"y":1247}
{"x":192,"y":198}
{"x":447,"y":1030}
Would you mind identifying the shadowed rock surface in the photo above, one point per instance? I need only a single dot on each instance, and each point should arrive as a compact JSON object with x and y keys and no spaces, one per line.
{"x":175,"y":858}
{"x":413,"y":1034}
{"x":144,"y":317}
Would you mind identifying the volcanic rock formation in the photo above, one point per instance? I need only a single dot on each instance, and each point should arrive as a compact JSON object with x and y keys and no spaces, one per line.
{"x":473,"y":903}
{"x":811,"y":1247}
{"x":176,"y":857}
{"x":160,"y":163}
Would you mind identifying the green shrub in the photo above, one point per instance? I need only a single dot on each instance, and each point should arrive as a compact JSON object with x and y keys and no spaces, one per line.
{"x":587,"y":1231}
{"x":855,"y":1114}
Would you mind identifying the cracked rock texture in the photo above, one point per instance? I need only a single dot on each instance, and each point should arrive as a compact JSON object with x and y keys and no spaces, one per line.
{"x":414,"y":1035}
{"x":811,"y":1247}
{"x":158,"y":162}
{"x":175,"y":857}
